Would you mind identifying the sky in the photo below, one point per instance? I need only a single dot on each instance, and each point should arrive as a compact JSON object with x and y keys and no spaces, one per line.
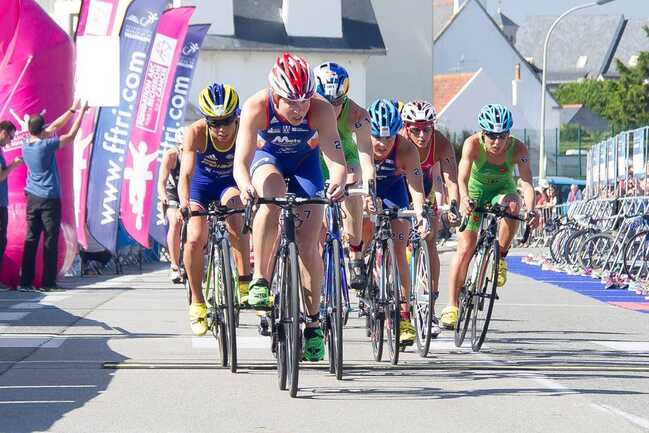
{"x":518,"y":10}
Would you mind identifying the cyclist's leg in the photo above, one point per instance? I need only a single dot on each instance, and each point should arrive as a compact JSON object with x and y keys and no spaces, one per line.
{"x":353,"y":228}
{"x":240,"y":242}
{"x":508,"y":226}
{"x":173,"y":235}
{"x":507,"y":231}
{"x":193,"y":253}
{"x":307,"y":181}
{"x":268,"y":182}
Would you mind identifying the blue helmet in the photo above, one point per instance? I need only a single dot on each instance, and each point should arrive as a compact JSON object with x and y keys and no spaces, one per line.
{"x":332,"y":81}
{"x":384,"y":118}
{"x":495,"y":118}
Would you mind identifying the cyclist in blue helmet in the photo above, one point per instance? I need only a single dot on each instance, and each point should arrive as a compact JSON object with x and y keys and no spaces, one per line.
{"x":397,"y":164}
{"x":332,"y":83}
{"x":486,"y":176}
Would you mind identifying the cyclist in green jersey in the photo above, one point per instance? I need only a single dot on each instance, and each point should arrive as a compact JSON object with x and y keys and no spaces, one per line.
{"x":486,"y":177}
{"x":332,"y":83}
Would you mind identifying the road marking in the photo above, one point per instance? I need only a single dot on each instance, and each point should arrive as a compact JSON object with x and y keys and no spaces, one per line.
{"x":625,"y":346}
{"x":8,"y":317}
{"x":242,"y":343}
{"x":45,"y":386}
{"x":31,"y":342}
{"x":27,"y":306}
{"x":633,"y":419}
{"x":37,"y":401}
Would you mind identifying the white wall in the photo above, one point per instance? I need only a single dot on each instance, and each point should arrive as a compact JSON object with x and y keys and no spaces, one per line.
{"x":248,"y":71}
{"x":406,"y":71}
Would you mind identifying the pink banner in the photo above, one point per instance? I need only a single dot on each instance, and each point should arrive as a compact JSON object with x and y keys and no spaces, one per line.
{"x":36,"y":76}
{"x":141,"y":162}
{"x":100,"y":18}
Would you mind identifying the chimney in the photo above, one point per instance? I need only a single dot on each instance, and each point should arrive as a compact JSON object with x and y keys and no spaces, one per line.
{"x":220,"y":13}
{"x":302,"y":18}
{"x":516,"y":85}
{"x":456,"y":6}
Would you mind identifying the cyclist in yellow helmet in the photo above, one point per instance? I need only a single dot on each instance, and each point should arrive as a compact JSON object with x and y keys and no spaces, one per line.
{"x":206,"y":175}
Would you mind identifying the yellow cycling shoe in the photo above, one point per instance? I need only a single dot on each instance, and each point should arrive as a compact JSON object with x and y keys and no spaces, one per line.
{"x":406,"y":332}
{"x":502,"y":273}
{"x":448,"y":318}
{"x":243,"y":292}
{"x":198,"y":319}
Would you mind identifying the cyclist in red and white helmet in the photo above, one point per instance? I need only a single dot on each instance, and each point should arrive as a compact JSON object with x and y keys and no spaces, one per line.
{"x":283,"y":130}
{"x":439,"y":172}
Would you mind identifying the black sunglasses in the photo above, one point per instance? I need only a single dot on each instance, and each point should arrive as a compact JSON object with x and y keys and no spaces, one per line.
{"x":496,"y":135}
{"x":215,"y":123}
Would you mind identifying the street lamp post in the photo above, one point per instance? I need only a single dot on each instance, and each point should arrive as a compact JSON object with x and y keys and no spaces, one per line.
{"x":543,"y":84}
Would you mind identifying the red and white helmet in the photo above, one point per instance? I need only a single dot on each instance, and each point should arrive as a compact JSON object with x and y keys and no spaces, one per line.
{"x":292,"y":78}
{"x":418,"y":112}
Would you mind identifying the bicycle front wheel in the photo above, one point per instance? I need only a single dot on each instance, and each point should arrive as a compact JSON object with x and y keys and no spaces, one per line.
{"x":229,"y":300}
{"x":484,"y":295}
{"x":291,"y":314}
{"x":215,"y":301}
{"x":422,"y":314}
{"x":334,"y":307}
{"x":392,"y":290}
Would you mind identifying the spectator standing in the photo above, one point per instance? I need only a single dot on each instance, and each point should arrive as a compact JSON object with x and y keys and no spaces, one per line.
{"x":574,"y":194}
{"x":44,"y":193}
{"x":7,"y":132}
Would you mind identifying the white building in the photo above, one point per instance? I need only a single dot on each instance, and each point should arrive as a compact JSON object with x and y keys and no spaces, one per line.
{"x":471,"y":42}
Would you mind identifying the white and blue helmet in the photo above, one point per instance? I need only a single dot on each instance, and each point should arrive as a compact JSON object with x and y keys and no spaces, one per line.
{"x":495,"y":118}
{"x":384,"y":118}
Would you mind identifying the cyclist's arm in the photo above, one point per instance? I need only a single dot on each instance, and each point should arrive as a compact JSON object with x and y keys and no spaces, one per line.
{"x":190,"y":147}
{"x":360,"y":126}
{"x":324,"y":120}
{"x":253,"y":118}
{"x":522,"y":159}
{"x":408,"y":161}
{"x":163,"y":175}
{"x":63,"y":118}
{"x":470,"y":152}
{"x":448,"y":165}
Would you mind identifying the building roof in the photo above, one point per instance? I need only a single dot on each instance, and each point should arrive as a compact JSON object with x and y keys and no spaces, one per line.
{"x":634,"y":40}
{"x":258,"y":26}
{"x":503,"y":20}
{"x":579,"y":47}
{"x":578,"y":114}
{"x":448,"y":86}
{"x":524,"y":60}
{"x":442,"y":13}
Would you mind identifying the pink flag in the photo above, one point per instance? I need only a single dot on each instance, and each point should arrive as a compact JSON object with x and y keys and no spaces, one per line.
{"x":141,"y":163}
{"x":99,"y":18}
{"x":36,"y":76}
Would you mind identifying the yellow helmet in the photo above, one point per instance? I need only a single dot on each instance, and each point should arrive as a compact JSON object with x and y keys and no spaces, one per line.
{"x":219,"y":101}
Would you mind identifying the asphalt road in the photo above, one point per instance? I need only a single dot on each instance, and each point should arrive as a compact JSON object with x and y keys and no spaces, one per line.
{"x":116,"y":355}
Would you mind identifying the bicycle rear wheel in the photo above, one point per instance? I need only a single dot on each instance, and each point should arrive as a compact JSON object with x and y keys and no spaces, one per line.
{"x":392,"y":290}
{"x":292,"y":319}
{"x":422,"y":316}
{"x":229,"y":299}
{"x":484,"y":295}
{"x":279,"y":344}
